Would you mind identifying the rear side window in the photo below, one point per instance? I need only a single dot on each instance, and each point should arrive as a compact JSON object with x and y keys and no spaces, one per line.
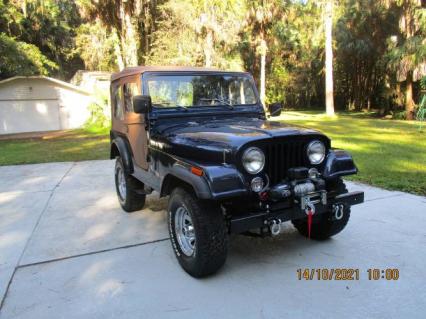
{"x":130,"y":90}
{"x":118,"y":103}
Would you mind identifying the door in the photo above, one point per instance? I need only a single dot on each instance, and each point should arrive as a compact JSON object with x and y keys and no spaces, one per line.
{"x":135,"y":123}
{"x":18,"y":116}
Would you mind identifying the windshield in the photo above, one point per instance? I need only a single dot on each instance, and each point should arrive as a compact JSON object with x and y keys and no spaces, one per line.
{"x":200,"y":90}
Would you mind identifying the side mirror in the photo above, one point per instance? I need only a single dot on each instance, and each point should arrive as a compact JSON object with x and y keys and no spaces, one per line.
{"x":142,"y":104}
{"x":275,"y":108}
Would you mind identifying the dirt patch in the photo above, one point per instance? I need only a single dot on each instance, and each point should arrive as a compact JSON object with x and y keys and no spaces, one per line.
{"x":36,"y":135}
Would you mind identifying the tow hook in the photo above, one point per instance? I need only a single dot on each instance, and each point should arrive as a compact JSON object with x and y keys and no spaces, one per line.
{"x":338,"y":211}
{"x":275,"y":226}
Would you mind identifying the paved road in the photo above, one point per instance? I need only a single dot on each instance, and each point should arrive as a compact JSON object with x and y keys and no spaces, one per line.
{"x":68,"y":251}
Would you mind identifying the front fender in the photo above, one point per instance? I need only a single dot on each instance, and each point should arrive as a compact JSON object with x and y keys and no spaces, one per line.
{"x":338,"y":163}
{"x":124,"y":151}
{"x":182,"y":173}
{"x":225,"y":181}
{"x":217,"y":182}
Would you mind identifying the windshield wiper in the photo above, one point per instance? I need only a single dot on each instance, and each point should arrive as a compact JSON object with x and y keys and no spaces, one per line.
{"x":226,"y":102}
{"x":170,"y":104}
{"x":220,"y":100}
{"x":181,"y":107}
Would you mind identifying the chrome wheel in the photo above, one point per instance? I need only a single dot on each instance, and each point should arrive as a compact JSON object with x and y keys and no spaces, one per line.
{"x":121,"y":183}
{"x":184,"y":230}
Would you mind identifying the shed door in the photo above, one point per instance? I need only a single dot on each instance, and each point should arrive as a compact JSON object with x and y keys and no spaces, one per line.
{"x":19,"y":116}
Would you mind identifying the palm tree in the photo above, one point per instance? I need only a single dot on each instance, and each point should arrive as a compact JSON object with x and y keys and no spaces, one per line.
{"x":328,"y":25}
{"x":122,"y":18}
{"x":261,"y":16}
{"x":409,"y":53}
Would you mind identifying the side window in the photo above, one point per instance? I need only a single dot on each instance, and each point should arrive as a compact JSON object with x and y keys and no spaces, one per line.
{"x":118,"y":103}
{"x":130,"y":90}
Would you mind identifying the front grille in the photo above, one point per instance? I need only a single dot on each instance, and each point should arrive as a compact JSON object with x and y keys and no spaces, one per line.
{"x":282,"y":155}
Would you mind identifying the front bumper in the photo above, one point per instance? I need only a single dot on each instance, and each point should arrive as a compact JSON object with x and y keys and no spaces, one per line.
{"x":246,"y":222}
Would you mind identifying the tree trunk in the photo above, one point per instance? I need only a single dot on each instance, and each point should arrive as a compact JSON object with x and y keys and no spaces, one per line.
{"x":131,"y":40}
{"x":118,"y":51}
{"x":329,"y":94}
{"x":24,"y":8}
{"x":263,"y":49}
{"x":409,"y":32}
{"x":122,"y":36}
{"x":148,"y":29}
{"x":409,"y":101}
{"x":208,"y":49}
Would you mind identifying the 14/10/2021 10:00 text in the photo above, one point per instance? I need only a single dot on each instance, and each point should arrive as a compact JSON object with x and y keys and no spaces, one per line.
{"x":346,"y":274}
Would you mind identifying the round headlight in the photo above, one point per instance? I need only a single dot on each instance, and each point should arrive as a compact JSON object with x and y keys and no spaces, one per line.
{"x":253,"y":160}
{"x":316,"y":152}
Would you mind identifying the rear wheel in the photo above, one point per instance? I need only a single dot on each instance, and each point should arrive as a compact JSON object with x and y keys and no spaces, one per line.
{"x":128,"y":189}
{"x":197,"y":232}
{"x":324,"y":225}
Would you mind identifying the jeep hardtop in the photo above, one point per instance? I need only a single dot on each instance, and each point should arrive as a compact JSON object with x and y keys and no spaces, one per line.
{"x":201,"y":137}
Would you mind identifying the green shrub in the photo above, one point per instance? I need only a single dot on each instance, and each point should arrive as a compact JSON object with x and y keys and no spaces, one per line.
{"x":20,"y":58}
{"x":100,"y":116}
{"x":421,"y":112}
{"x":399,"y":115}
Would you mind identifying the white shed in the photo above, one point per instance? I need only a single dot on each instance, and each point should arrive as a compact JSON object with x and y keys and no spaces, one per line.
{"x":38,"y":103}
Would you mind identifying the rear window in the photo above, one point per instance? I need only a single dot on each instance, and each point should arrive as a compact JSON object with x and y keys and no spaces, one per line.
{"x":118,"y":102}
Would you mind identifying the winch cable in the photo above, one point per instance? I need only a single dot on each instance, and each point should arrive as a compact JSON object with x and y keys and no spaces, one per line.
{"x":310,"y":211}
{"x":309,"y":223}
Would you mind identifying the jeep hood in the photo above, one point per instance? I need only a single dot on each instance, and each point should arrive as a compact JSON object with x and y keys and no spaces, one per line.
{"x":207,"y":140}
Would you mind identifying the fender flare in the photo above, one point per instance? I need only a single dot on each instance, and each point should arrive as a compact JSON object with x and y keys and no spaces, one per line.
{"x":123,"y":148}
{"x":182,"y":174}
{"x":217,"y":182}
{"x":339,"y":163}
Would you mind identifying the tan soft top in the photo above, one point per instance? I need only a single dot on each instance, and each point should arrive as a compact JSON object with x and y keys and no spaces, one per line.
{"x":141,"y":69}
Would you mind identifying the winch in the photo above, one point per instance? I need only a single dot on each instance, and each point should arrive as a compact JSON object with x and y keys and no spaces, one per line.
{"x":296,"y":188}
{"x":301,"y":182}
{"x":304,"y":188}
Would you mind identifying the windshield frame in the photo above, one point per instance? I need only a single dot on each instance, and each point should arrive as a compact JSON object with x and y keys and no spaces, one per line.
{"x":202,"y":108}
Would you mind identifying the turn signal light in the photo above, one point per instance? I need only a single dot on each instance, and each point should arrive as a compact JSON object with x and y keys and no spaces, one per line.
{"x":196,"y":171}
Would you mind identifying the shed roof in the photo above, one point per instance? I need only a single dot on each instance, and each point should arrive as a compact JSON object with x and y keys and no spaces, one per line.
{"x":46,"y":78}
{"x":141,"y":69}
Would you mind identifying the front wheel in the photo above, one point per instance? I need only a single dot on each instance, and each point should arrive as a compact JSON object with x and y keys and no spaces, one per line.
{"x":197,"y":232}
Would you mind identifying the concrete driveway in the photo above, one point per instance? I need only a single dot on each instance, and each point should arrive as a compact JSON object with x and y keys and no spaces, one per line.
{"x":68,"y":251}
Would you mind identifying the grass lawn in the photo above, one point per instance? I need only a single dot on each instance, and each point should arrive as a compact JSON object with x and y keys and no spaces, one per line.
{"x":73,"y":145}
{"x":389,"y":154}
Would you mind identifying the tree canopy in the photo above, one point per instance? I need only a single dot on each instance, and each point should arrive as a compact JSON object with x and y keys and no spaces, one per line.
{"x":379,"y":47}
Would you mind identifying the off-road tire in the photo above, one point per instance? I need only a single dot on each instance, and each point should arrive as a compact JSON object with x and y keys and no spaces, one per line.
{"x":132,"y":201}
{"x":211,"y":236}
{"x":323,"y":226}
